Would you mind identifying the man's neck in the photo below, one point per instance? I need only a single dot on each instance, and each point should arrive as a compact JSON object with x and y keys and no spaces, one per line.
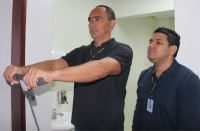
{"x":161,"y":67}
{"x":98,"y":42}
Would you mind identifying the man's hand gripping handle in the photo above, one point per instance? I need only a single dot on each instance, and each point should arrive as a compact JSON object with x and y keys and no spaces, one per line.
{"x":29,"y":93}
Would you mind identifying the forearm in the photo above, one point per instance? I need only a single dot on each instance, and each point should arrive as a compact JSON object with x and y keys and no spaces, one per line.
{"x":49,"y":65}
{"x":87,"y":72}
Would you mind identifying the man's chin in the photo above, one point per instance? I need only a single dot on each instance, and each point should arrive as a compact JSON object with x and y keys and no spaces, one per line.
{"x":152,"y":60}
{"x":94,"y":37}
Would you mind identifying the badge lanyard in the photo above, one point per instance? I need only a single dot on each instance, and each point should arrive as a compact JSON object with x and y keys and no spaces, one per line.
{"x":153,"y":85}
{"x":92,"y":56}
{"x":150,"y":101}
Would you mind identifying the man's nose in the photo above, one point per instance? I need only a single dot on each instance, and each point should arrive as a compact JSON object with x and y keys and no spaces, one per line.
{"x":152,"y":44}
{"x":91,"y":23}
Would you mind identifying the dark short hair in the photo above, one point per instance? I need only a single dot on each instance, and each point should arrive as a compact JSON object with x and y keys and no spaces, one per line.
{"x":172,"y":37}
{"x":109,"y":11}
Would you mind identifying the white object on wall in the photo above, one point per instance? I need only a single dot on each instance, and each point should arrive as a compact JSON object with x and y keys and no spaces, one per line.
{"x":57,"y":52}
{"x":63,"y":107}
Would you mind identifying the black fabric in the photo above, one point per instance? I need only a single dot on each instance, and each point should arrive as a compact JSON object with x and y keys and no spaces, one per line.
{"x":99,"y":105}
{"x":176,"y":100}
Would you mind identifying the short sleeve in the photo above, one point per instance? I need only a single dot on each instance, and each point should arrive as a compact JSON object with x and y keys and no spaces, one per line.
{"x":123,"y":54}
{"x":70,"y":57}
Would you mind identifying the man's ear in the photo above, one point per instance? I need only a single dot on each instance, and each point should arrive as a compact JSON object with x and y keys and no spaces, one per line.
{"x":173,"y":50}
{"x":112,"y":23}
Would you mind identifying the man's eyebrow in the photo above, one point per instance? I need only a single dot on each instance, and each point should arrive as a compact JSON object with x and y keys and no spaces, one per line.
{"x":95,"y":17}
{"x":159,"y":39}
{"x":156,"y":39}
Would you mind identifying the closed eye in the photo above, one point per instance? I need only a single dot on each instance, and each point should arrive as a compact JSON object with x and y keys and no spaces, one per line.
{"x":158,"y":43}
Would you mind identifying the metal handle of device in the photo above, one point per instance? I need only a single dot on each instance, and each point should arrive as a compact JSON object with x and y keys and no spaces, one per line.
{"x":29,"y":93}
{"x":18,"y":77}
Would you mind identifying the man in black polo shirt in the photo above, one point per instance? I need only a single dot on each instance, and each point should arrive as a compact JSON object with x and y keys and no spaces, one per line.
{"x":99,"y":70}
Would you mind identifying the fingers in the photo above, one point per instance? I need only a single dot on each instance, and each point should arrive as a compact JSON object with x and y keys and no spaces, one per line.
{"x":9,"y":73}
{"x":31,"y":77}
{"x":33,"y":74}
{"x":27,"y":87}
{"x":14,"y":83}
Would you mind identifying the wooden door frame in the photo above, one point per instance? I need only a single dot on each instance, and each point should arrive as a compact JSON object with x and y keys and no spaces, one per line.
{"x":18,"y":59}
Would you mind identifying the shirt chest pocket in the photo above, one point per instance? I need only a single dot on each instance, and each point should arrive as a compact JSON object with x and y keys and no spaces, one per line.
{"x":166,"y":95}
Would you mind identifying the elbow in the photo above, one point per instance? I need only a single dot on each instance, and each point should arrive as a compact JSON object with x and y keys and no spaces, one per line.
{"x":102,"y":74}
{"x":103,"y":71}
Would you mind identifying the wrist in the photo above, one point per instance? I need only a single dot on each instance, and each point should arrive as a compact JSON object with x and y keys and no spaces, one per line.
{"x":54,"y":75}
{"x":22,"y":70}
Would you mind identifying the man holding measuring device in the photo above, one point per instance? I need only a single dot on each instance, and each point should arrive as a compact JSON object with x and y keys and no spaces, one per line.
{"x":99,"y":70}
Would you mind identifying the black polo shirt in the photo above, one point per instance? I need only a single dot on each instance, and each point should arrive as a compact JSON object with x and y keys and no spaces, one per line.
{"x":100,"y":104}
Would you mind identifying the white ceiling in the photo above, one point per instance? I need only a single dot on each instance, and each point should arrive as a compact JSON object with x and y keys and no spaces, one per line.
{"x":158,"y":15}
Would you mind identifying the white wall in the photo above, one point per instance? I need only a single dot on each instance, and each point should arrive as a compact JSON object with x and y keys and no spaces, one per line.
{"x":127,"y":8}
{"x":38,"y":48}
{"x":5,"y":58}
{"x":166,"y":22}
{"x":187,"y":21}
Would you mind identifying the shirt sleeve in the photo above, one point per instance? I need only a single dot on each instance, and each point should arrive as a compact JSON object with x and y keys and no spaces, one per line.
{"x":137,"y":117}
{"x":70,"y":57}
{"x":189,"y":103}
{"x":124,"y":55}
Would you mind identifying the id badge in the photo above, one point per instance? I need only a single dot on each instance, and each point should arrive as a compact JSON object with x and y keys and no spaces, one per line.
{"x":150,"y":105}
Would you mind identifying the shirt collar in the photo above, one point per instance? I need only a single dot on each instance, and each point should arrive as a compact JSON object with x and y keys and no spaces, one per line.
{"x":105,"y":44}
{"x":172,"y":70}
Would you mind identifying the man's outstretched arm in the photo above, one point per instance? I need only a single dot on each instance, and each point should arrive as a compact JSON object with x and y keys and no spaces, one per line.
{"x":86,"y":72}
{"x":49,"y":65}
{"x":89,"y":71}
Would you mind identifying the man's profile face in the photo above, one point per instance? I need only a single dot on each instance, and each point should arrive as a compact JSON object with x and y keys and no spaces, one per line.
{"x":99,"y":24}
{"x":158,"y":50}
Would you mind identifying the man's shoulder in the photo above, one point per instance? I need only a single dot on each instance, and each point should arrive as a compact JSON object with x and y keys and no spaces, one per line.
{"x":121,"y":44}
{"x":121,"y":47}
{"x":183,"y":70}
{"x":83,"y":47}
{"x":145,"y":75}
{"x":147,"y":71}
{"x":183,"y":73}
